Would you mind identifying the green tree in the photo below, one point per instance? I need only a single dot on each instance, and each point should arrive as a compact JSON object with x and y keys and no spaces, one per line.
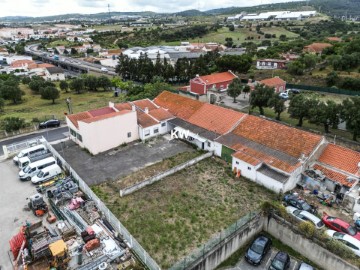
{"x":332,"y":78}
{"x":104,"y":82}
{"x":231,"y":27}
{"x":326,"y":114}
{"x":246,"y":90}
{"x":229,"y":42}
{"x":236,"y":63}
{"x":13,"y":123}
{"x":309,"y":60}
{"x":2,"y":104}
{"x":77,"y":85}
{"x":11,"y":92}
{"x":91,"y":82}
{"x":295,"y":68}
{"x":260,"y":97}
{"x":299,"y":107}
{"x":234,"y":89}
{"x":278,"y":104}
{"x":64,"y":86}
{"x":50,"y":93}
{"x":26,"y":80}
{"x":351,"y":115}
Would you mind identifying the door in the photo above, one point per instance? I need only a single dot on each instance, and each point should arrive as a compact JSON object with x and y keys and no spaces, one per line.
{"x":203,"y":146}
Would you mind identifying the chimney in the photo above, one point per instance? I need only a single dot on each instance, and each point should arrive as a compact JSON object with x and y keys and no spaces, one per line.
{"x":146,"y":110}
{"x":133,"y":108}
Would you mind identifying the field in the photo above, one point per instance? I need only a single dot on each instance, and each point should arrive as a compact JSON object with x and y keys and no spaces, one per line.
{"x":33,"y":106}
{"x":239,"y":35}
{"x":181,"y":212}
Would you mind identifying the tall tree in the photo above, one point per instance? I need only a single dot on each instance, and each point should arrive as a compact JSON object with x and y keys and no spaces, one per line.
{"x":278,"y":104}
{"x":246,"y":90}
{"x":300,"y":107}
{"x":234,"y":89}
{"x":104,"y":82}
{"x":351,"y":115}
{"x":64,"y":86}
{"x":50,"y":93}
{"x":326,"y":114}
{"x":260,"y":97}
{"x":77,"y":85}
{"x":236,"y":63}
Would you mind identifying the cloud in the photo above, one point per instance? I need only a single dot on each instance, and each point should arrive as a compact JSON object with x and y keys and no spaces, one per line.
{"x":92,"y":3}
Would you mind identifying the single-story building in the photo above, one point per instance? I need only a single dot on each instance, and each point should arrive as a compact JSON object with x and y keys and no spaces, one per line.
{"x":54,"y":74}
{"x":270,"y":64}
{"x":277,"y":83}
{"x":316,"y":48}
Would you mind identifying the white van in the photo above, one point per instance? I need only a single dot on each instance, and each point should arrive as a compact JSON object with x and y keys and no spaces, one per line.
{"x":33,"y":168}
{"x":46,"y":174}
{"x":24,"y":161}
{"x":29,"y":151}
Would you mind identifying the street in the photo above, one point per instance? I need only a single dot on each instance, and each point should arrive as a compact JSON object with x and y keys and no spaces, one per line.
{"x":50,"y":135}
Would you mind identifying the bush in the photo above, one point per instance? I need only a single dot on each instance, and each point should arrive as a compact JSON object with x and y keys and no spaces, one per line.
{"x":13,"y":123}
{"x":340,"y":249}
{"x":307,"y":228}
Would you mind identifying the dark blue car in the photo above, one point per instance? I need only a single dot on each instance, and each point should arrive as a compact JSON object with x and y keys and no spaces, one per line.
{"x":257,"y":250}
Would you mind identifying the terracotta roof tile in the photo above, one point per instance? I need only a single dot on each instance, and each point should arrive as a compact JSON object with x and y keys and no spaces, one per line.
{"x":123,"y":106}
{"x":144,"y":120}
{"x":218,"y":77}
{"x":317,"y":47}
{"x":341,"y":158}
{"x":335,"y":176}
{"x":161,"y":114}
{"x":104,"y":116}
{"x":178,"y":105}
{"x":337,"y":39}
{"x":44,"y":65}
{"x":291,"y":141}
{"x":271,"y":82}
{"x":74,"y":118}
{"x":101,"y":111}
{"x":246,"y":158}
{"x":145,"y":103}
{"x":215,"y":118}
{"x":20,"y":63}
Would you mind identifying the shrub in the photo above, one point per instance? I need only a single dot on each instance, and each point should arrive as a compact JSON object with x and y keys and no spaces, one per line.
{"x":340,"y":249}
{"x":13,"y":123}
{"x":307,"y":228}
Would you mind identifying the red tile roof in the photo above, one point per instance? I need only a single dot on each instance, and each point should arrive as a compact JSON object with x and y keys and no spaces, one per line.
{"x":123,"y":106}
{"x":337,"y":39}
{"x":215,"y":118}
{"x":218,"y":77}
{"x":341,"y":158}
{"x":161,"y":114}
{"x":104,"y":116}
{"x":178,"y":105}
{"x":20,"y":63}
{"x":317,"y":47}
{"x":101,"y":111}
{"x":74,"y":118}
{"x":246,"y":158}
{"x":286,"y":139}
{"x":272,"y":82}
{"x":145,"y":103}
{"x":44,"y":65}
{"x":335,"y":176}
{"x":144,"y":120}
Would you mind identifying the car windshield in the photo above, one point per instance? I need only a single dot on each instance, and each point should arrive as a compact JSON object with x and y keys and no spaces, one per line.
{"x":305,"y":206}
{"x":320,"y":224}
{"x":26,"y":169}
{"x":21,"y":154}
{"x":338,"y":235}
{"x":40,"y":174}
{"x":278,"y":264}
{"x":257,"y":247}
{"x":296,"y":212}
{"x":351,"y":230}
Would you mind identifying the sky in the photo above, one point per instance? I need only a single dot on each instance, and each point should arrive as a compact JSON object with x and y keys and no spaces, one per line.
{"x":38,"y":8}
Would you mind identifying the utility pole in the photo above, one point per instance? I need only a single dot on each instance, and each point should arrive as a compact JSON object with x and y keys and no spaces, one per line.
{"x":109,"y":13}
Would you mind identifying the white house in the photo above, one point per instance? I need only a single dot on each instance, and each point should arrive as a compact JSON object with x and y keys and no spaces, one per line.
{"x":54,"y":74}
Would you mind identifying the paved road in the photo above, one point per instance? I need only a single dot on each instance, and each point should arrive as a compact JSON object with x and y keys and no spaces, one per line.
{"x":50,"y":135}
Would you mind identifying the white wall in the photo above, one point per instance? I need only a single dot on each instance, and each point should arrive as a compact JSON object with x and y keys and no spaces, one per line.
{"x":72,"y":137}
{"x":247,"y":170}
{"x":106,"y":134}
{"x":269,"y":183}
{"x":55,"y":77}
{"x":162,"y":130}
{"x":294,"y":179}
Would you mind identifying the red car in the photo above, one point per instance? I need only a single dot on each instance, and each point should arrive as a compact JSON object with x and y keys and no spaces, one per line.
{"x":339,"y":225}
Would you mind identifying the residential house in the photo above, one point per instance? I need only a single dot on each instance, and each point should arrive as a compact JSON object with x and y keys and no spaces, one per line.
{"x":316,"y":48}
{"x":200,"y":84}
{"x":270,"y":64}
{"x":54,"y":74}
{"x":277,"y":83}
{"x":3,"y":51}
{"x":334,"y":39}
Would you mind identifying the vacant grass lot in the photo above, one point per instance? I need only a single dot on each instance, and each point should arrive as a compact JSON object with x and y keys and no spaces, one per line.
{"x":239,"y":35}
{"x":33,"y":106}
{"x":172,"y":217}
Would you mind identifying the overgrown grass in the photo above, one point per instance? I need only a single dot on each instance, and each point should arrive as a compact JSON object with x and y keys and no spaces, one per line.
{"x":183,"y":211}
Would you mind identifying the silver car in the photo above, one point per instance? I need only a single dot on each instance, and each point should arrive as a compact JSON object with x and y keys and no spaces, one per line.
{"x":302,"y":215}
{"x":305,"y":266}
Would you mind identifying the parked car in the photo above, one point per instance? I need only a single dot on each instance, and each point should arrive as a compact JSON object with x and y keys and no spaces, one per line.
{"x":298,"y":203}
{"x":293,"y":91}
{"x":305,"y":216}
{"x":284,"y":95}
{"x":258,"y":249}
{"x":339,"y":225}
{"x":46,"y":174}
{"x":346,"y":239}
{"x":50,"y":123}
{"x":281,"y":261}
{"x":305,"y":266}
{"x":28,"y":152}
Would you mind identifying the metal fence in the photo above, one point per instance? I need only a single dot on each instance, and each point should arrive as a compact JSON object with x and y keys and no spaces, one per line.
{"x":323,"y":89}
{"x":219,"y":239}
{"x":136,"y":247}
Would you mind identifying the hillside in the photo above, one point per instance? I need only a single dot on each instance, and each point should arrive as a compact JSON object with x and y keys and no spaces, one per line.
{"x":338,"y":8}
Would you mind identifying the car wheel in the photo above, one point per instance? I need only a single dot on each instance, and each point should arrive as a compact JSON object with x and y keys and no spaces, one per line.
{"x":28,"y":178}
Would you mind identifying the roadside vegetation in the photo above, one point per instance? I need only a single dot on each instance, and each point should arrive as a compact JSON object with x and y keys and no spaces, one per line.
{"x":179,"y":213}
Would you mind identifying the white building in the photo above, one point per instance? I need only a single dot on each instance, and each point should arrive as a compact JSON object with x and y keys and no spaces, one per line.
{"x":54,"y":74}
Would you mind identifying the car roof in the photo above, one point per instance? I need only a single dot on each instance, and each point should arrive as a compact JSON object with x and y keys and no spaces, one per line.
{"x":305,"y":266}
{"x":291,"y":208}
{"x":310,"y":216}
{"x":261,"y":238}
{"x":347,"y":238}
{"x":49,"y":168}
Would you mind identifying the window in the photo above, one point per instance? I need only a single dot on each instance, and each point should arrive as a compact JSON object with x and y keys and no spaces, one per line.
{"x":147,"y":132}
{"x":129,"y":134}
{"x":249,"y":168}
{"x":209,"y":144}
{"x":237,"y":162}
{"x":72,"y":132}
{"x":79,"y":137}
{"x":163,"y":124}
{"x":156,"y":130}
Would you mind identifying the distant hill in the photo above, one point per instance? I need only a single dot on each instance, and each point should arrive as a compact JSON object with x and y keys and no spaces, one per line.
{"x":338,"y":7}
{"x":190,"y":13}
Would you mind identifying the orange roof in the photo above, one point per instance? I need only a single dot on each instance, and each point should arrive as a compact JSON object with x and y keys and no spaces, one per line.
{"x":272,"y":82}
{"x":286,"y":139}
{"x":215,"y":118}
{"x":103,"y":116}
{"x":341,"y":158}
{"x":114,"y":51}
{"x":217,"y":77}
{"x":101,"y":111}
{"x":144,"y":120}
{"x":74,"y":118}
{"x":317,"y":47}
{"x":145,"y":103}
{"x":337,"y":39}
{"x":45,"y":65}
{"x":20,"y":63}
{"x":123,"y":106}
{"x":161,"y":114}
{"x":246,"y":158}
{"x":178,"y":105}
{"x":335,"y":176}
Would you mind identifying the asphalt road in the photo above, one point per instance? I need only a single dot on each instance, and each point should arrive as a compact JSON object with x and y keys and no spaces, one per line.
{"x":50,"y":135}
